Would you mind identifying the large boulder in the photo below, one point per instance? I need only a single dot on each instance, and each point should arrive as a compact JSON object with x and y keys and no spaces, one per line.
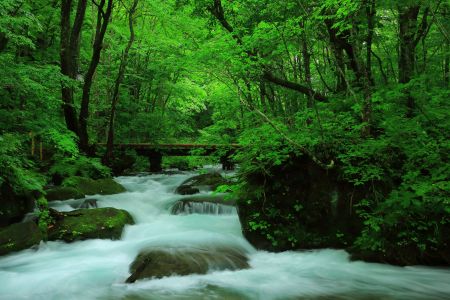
{"x":300,"y":206}
{"x":81,"y":224}
{"x":78,"y":187}
{"x":162,"y":262}
{"x":18,"y":237}
{"x":63,"y":193}
{"x":14,"y":207}
{"x":89,"y":186}
{"x":204,"y":204}
{"x":209,"y":181}
{"x":186,"y":190}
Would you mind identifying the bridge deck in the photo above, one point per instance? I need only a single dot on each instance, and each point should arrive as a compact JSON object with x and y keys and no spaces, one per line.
{"x":174,"y":146}
{"x":176,"y":149}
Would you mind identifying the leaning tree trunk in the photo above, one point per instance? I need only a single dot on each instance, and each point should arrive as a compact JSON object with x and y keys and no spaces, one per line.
{"x":109,"y":155}
{"x":102,"y":24}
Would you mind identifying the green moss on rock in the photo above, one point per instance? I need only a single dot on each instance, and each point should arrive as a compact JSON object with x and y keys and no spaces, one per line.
{"x":191,"y":185}
{"x":161,"y":262}
{"x":99,"y":223}
{"x":19,"y":236}
{"x":63,"y":193}
{"x":89,"y":186}
{"x":14,"y":207}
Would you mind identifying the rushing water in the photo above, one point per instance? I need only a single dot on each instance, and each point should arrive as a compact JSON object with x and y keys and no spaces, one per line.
{"x":97,"y":269}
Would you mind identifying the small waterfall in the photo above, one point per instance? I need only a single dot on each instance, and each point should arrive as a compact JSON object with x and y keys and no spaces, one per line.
{"x":204,"y":208}
{"x":204,"y":223}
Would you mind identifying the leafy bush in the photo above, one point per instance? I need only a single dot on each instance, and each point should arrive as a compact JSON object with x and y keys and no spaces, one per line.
{"x":17,"y":170}
{"x":83,"y":166}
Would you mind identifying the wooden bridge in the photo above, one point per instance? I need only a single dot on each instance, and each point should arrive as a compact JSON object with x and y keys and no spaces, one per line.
{"x":155,"y":152}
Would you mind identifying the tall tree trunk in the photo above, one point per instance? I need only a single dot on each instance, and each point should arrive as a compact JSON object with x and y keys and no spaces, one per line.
{"x":407,"y":20}
{"x":366,"y":114}
{"x":3,"y":41}
{"x":371,"y":13}
{"x":109,"y":155}
{"x":69,"y":52}
{"x":410,"y":35}
{"x":102,"y":24}
{"x":307,"y":67}
{"x":446,"y":13}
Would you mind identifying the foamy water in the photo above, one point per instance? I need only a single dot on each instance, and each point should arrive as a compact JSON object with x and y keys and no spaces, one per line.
{"x":97,"y":269}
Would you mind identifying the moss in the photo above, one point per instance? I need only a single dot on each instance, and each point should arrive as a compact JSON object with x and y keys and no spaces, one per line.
{"x":158,"y":262}
{"x":19,"y":236}
{"x":64,"y":193}
{"x":102,"y":223}
{"x":89,"y":186}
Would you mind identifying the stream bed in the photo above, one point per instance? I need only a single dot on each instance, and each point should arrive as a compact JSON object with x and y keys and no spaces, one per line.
{"x":97,"y":269}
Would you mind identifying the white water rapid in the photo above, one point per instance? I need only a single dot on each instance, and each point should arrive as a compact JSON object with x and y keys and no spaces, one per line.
{"x":97,"y":269}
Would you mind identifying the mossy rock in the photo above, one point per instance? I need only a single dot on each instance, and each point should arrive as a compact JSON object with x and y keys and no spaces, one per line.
{"x":18,"y":237}
{"x":89,"y":186}
{"x":204,"y":204}
{"x":186,"y":190}
{"x":14,"y":207}
{"x":209,"y":180}
{"x":63,"y":193}
{"x":82,"y":224}
{"x":162,"y":262}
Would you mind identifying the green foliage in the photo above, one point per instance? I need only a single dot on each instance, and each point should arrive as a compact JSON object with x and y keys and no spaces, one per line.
{"x":44,"y":217}
{"x":17,"y":170}
{"x":263,"y":148}
{"x":83,"y":166}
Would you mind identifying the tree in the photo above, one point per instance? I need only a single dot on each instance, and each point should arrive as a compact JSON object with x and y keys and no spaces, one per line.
{"x":69,"y":56}
{"x":103,"y":18}
{"x":120,"y":76}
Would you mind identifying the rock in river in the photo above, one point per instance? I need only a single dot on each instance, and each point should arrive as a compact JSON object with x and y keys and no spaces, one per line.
{"x":82,"y":224}
{"x":209,"y":181}
{"x":19,"y":236}
{"x":77,"y":187}
{"x":204,"y":204}
{"x":162,"y":262}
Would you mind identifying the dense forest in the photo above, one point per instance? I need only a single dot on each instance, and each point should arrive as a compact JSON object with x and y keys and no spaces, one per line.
{"x":338,"y":111}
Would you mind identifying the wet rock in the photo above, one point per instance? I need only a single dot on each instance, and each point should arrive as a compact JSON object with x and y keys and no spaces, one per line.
{"x":63,"y":193}
{"x":305,"y":207}
{"x":186,"y":190}
{"x":14,"y":207}
{"x":98,"y":223}
{"x":162,"y":262}
{"x":89,"y":203}
{"x":209,"y":181}
{"x":209,"y":204}
{"x":89,"y":186}
{"x":18,"y":237}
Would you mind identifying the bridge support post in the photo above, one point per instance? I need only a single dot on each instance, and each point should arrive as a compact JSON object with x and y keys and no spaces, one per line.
{"x":226,"y":161}
{"x":155,"y":159}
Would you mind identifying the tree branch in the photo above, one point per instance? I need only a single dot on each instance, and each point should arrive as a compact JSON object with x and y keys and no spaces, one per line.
{"x":294,"y":86}
{"x":217,"y":10}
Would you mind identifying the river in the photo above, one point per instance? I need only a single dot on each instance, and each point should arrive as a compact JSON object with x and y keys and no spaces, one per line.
{"x":97,"y":269}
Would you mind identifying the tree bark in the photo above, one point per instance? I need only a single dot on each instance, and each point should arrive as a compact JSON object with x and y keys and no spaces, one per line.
{"x":409,"y":36}
{"x":3,"y":42}
{"x":70,"y":39}
{"x":370,"y":13}
{"x":307,"y":67}
{"x":407,"y":21}
{"x":109,"y":155}
{"x":102,"y":24}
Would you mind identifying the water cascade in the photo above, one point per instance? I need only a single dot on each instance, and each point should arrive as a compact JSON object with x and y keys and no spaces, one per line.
{"x":98,"y":269}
